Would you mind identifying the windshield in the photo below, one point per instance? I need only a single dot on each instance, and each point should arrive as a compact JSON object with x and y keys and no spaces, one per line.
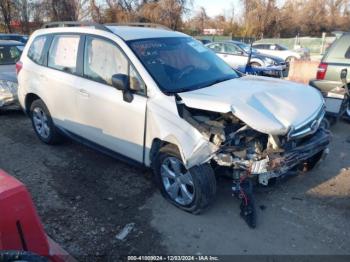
{"x":282,"y":47}
{"x":180,"y":64}
{"x":10,"y":54}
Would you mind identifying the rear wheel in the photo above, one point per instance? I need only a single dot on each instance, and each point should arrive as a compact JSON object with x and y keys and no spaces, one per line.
{"x":43,"y":124}
{"x":191,"y":190}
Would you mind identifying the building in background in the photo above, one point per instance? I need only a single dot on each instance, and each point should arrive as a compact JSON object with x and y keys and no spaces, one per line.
{"x":213,"y":31}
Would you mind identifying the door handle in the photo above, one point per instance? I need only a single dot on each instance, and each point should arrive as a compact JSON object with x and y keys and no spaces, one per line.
{"x":83,"y":92}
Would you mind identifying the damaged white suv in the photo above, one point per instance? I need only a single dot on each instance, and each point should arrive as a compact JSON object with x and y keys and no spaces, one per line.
{"x":161,"y":99}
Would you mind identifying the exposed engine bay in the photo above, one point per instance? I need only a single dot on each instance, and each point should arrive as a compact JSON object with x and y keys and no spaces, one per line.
{"x":252,"y":157}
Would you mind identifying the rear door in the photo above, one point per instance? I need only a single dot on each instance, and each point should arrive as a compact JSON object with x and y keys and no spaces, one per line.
{"x":104,"y":117}
{"x":61,"y":76}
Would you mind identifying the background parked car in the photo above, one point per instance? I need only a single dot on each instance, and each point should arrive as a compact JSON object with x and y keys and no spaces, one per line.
{"x":328,"y":79}
{"x":10,"y":52}
{"x":236,"y":54}
{"x":15,"y":37}
{"x":282,"y":51}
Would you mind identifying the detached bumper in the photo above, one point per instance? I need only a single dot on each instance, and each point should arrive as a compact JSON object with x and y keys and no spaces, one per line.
{"x":278,"y":165}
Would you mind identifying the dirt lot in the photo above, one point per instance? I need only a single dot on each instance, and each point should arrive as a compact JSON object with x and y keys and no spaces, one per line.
{"x":84,"y":199}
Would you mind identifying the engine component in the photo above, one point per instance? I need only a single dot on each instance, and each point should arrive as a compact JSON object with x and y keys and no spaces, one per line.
{"x":243,"y":189}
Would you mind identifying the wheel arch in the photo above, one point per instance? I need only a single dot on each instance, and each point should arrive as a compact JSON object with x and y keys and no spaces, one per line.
{"x":157,"y":144}
{"x":29,"y":99}
{"x":256,"y":60}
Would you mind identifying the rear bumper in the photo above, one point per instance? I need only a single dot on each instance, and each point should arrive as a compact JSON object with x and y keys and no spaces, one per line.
{"x":334,"y":94}
{"x":279,"y":164}
{"x":325,"y":86}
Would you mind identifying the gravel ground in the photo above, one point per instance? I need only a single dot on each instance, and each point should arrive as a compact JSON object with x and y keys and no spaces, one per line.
{"x":85,"y":198}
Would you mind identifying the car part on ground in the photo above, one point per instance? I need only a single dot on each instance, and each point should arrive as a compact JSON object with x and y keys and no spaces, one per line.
{"x":22,"y":236}
{"x":188,"y":113}
{"x":328,"y":79}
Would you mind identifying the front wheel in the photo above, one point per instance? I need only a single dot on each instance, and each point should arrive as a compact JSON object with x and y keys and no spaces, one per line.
{"x":191,"y":190}
{"x":43,"y":124}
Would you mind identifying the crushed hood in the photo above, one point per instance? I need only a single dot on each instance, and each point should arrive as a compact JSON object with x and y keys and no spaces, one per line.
{"x":268,"y":105}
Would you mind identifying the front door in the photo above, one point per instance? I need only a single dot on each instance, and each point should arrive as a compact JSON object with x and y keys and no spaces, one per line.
{"x":235,"y":57}
{"x":105,"y":118}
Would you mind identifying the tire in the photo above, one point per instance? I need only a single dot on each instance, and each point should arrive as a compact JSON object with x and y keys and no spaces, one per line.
{"x":347,"y":111}
{"x":200,"y":181}
{"x":40,"y":116}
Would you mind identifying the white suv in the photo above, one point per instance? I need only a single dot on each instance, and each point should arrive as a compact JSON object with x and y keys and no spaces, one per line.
{"x":161,"y":99}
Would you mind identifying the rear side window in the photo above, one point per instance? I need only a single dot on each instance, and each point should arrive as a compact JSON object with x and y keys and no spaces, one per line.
{"x":347,"y":54}
{"x":35,"y":52}
{"x":63,"y":53}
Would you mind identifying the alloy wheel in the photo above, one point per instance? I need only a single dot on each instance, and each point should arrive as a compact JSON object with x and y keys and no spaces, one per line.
{"x":177,"y":181}
{"x":40,"y":121}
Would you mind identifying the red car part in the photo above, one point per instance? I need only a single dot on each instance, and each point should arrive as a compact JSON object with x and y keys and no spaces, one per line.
{"x":20,"y":225}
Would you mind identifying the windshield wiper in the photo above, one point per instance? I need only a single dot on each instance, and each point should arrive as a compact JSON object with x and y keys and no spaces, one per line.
{"x":217,"y":81}
{"x":181,"y":90}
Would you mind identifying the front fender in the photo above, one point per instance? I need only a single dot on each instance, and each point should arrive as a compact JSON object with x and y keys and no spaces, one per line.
{"x":164,"y":123}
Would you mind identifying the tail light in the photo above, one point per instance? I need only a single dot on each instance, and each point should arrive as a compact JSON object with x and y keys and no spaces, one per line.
{"x":321,"y":71}
{"x":19,"y":66}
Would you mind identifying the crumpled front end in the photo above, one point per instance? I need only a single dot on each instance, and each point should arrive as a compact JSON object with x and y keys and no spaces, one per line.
{"x":272,"y":163}
{"x":249,"y":154}
{"x":245,"y":151}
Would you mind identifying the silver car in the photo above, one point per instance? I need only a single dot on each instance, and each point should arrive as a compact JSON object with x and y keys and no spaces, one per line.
{"x":10,"y":52}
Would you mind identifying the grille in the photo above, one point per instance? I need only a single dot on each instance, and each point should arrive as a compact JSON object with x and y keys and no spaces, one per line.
{"x":309,"y":127}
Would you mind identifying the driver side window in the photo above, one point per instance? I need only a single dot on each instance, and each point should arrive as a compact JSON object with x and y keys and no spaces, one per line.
{"x":103,"y":59}
{"x":217,"y":48}
{"x":232,"y":49}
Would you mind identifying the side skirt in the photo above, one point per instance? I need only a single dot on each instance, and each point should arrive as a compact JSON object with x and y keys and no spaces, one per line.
{"x":101,"y":149}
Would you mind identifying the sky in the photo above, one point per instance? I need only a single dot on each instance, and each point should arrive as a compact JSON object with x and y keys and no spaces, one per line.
{"x":217,"y":7}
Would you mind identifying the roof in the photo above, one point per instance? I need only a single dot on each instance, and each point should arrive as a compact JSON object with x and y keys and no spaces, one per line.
{"x":230,"y":41}
{"x":133,"y":33}
{"x":9,"y":42}
{"x":4,"y":34}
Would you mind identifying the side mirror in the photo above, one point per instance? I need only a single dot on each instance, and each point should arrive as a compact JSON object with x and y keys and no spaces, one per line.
{"x":343,"y":76}
{"x":121,"y":82}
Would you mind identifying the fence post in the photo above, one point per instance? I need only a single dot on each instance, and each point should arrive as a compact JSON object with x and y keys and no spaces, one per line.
{"x":323,"y":43}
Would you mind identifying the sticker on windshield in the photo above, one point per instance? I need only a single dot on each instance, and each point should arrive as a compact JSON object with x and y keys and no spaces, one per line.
{"x":197,"y":46}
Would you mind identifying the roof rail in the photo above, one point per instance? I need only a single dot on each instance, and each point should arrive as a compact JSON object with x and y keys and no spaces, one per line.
{"x":75,"y":24}
{"x":153,"y":25}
